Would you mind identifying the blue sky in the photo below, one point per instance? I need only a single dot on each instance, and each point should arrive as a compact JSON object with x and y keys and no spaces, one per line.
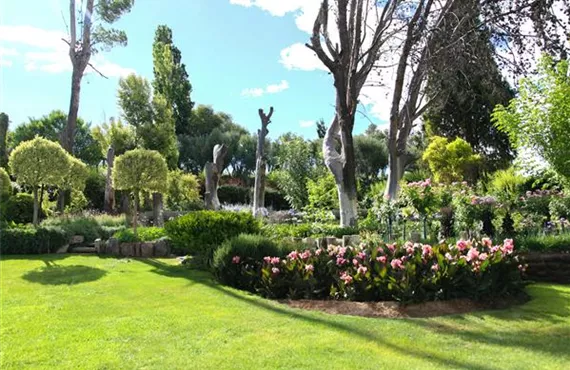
{"x":234,"y":50}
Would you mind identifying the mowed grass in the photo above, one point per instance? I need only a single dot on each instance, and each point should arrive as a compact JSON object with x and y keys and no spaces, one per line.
{"x":86,"y":312}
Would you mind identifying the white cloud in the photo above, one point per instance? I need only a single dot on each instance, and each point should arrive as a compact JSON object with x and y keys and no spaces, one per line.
{"x":45,"y":50}
{"x":276,"y":8}
{"x":270,"y":89}
{"x":5,"y":52}
{"x":298,"y":56}
{"x":5,"y":63}
{"x":306,"y":124}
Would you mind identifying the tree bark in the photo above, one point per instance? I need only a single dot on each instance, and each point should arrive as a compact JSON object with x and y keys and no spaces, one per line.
{"x":109,"y":204}
{"x":260,"y":163}
{"x":157,"y":209}
{"x":212,"y":174}
{"x":135,"y":213}
{"x":35,"y":215}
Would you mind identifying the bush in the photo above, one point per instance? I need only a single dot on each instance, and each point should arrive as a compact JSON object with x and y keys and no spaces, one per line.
{"x":95,"y":190}
{"x":231,"y":194}
{"x":305,"y":230}
{"x":376,"y":271}
{"x":30,"y":240}
{"x":20,"y":209}
{"x":5,"y":184}
{"x":275,"y":200}
{"x":248,"y":247}
{"x":201,"y":232}
{"x":144,"y":234}
{"x":183,"y":192}
{"x":91,"y":227}
{"x":544,"y":243}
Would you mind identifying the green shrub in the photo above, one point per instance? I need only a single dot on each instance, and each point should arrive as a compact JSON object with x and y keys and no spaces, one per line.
{"x":231,"y":194}
{"x":144,"y":234}
{"x":30,"y":240}
{"x":5,"y":184}
{"x":91,"y":227}
{"x":544,"y":243}
{"x":275,"y":200}
{"x":20,"y":209}
{"x":201,"y":232}
{"x":248,"y":247}
{"x":305,"y":230}
{"x":95,"y":189}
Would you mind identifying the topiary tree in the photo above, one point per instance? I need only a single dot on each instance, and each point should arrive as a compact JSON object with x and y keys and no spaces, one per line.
{"x":75,"y":178}
{"x":140,"y":170}
{"x":39,"y":162}
{"x":183,"y":191}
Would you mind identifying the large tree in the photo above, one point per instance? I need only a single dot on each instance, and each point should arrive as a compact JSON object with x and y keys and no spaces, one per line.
{"x":4,"y":122}
{"x":171,"y":79}
{"x":91,"y":37}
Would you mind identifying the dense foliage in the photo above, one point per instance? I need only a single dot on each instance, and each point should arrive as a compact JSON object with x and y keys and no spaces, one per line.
{"x":31,"y":240}
{"x":375,"y":271}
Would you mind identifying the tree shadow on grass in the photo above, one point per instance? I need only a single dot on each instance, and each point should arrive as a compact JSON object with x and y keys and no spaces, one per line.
{"x":321,"y":320}
{"x":53,"y":274}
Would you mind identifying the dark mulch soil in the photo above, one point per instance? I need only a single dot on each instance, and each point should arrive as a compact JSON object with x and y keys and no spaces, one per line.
{"x":395,"y":310}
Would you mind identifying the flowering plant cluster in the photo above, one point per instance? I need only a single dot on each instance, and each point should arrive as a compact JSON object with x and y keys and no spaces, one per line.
{"x":375,"y":271}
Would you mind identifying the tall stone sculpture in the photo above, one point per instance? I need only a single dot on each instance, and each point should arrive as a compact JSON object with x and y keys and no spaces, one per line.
{"x":213,"y":172}
{"x":260,"y":163}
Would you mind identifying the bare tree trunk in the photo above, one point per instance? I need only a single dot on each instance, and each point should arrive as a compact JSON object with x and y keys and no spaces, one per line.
{"x":35,"y":215}
{"x":157,"y":209}
{"x":135,"y":212}
{"x":69,"y":133}
{"x":260,"y":164}
{"x":212,"y":174}
{"x":109,"y":205}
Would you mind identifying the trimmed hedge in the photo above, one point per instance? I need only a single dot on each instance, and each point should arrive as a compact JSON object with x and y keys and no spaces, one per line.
{"x":19,"y":208}
{"x":200,"y":232}
{"x":546,"y":243}
{"x":306,"y":230}
{"x":90,"y":227}
{"x":30,"y":240}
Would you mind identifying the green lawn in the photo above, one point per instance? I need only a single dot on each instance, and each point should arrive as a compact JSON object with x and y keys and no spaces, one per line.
{"x":86,"y":312}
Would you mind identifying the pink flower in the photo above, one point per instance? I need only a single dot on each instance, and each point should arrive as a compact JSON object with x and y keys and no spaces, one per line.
{"x":391,"y":247}
{"x":396,"y":264}
{"x":275,"y":260}
{"x":362,"y":255}
{"x":346,"y":278}
{"x":508,"y":246}
{"x":487,"y":242}
{"x":362,"y":270}
{"x":462,"y":245}
{"x":236,"y":259}
{"x":355,"y":262}
{"x":318,"y":252}
{"x":306,"y":254}
{"x":495,"y":249}
{"x":522,"y":268}
{"x":309,"y":268}
{"x":340,"y":261}
{"x":380,"y":250}
{"x":472,"y":255}
{"x":449,"y":256}
{"x":483,"y":256}
{"x":341,"y":251}
{"x":275,"y":271}
{"x":435,"y":267}
{"x":427,"y":250}
{"x":267,"y":259}
{"x":410,"y":250}
{"x":293,"y":255}
{"x":381,"y":259}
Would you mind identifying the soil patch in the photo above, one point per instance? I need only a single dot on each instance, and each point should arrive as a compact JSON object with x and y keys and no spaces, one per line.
{"x":395,"y":310}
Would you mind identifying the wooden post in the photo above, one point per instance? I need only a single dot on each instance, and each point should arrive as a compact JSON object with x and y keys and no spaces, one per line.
{"x":260,"y":163}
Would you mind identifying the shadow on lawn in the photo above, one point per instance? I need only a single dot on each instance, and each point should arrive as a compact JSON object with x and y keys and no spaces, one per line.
{"x":53,"y":274}
{"x":552,"y":341}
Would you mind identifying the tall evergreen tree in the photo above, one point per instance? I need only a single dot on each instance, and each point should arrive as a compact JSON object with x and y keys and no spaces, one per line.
{"x":171,"y":79}
{"x":465,"y":85}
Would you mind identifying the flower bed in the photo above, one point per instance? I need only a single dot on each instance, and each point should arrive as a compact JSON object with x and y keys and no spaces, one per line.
{"x":375,"y":271}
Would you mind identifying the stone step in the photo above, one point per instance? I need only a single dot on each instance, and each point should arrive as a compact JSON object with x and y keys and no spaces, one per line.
{"x":82,"y":250}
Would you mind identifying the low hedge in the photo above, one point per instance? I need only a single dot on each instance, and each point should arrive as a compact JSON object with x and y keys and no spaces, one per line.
{"x":30,"y":240}
{"x":19,"y":208}
{"x":375,"y":271}
{"x":200,"y":232}
{"x":144,"y":234}
{"x":90,"y":227}
{"x":304,"y":230}
{"x":544,"y":243}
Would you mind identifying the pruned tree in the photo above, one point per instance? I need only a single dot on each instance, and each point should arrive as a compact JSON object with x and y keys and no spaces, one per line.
{"x":260,"y":162}
{"x":86,"y":41}
{"x":213,"y":171}
{"x":37,"y":163}
{"x":109,"y":204}
{"x":140,"y":170}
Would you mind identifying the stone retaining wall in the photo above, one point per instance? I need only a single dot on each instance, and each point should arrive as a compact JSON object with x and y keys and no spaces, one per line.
{"x":548,"y":267}
{"x":157,"y":248}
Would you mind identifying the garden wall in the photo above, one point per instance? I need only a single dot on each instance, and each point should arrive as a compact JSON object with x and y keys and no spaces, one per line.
{"x":158,"y":248}
{"x":548,"y":267}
